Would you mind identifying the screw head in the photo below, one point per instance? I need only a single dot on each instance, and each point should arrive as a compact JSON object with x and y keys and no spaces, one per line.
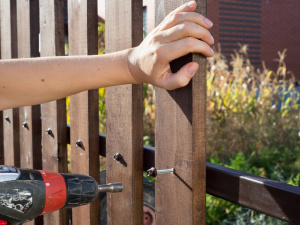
{"x":49,"y":131}
{"x":7,"y":119}
{"x":118,"y":157}
{"x":79,"y":143}
{"x":25,"y":125}
{"x":152,"y":172}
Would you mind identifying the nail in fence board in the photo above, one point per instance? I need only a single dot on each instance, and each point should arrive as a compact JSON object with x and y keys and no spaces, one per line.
{"x":180,"y":140}
{"x":29,"y":116}
{"x":54,"y":142}
{"x":82,"y":16}
{"x":124,"y":111}
{"x":9,"y":50}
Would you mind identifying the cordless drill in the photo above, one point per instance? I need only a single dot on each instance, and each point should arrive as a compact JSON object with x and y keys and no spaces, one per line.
{"x":27,"y":193}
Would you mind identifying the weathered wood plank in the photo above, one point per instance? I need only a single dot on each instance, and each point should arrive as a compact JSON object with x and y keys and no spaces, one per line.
{"x":9,"y":50}
{"x":30,"y":123}
{"x":82,"y":20}
{"x":1,"y":119}
{"x":180,"y":141}
{"x":1,"y":140}
{"x":124,"y":118}
{"x":54,"y":124}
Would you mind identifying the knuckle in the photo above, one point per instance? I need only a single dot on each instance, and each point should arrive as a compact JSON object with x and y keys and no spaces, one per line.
{"x":186,"y":27}
{"x":155,"y":38}
{"x":189,"y":42}
{"x":181,"y":82}
{"x":158,"y":54}
{"x":175,"y":17}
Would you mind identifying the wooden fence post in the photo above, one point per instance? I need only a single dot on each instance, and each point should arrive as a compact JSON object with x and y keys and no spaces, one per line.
{"x":1,"y":139}
{"x":181,"y":140}
{"x":9,"y":50}
{"x":28,"y":46}
{"x":1,"y":118}
{"x":124,"y":111}
{"x":54,"y":124}
{"x":82,"y":22}
{"x":29,"y":116}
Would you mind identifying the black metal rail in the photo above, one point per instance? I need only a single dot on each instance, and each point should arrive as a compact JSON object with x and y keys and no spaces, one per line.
{"x":270,"y":197}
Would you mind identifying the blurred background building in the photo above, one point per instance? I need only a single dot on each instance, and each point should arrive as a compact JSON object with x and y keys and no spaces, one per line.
{"x":266,"y":26}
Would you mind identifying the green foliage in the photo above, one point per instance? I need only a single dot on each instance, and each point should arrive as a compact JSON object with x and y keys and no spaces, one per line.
{"x":101,"y":38}
{"x":253,"y":126}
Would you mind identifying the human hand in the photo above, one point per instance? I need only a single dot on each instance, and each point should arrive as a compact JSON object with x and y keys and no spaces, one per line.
{"x":181,"y":32}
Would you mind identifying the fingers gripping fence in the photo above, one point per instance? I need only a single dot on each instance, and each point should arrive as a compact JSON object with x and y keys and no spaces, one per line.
{"x":28,"y":141}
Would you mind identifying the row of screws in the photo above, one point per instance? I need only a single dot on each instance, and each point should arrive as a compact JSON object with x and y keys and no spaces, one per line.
{"x":25,"y":125}
{"x":152,"y":172}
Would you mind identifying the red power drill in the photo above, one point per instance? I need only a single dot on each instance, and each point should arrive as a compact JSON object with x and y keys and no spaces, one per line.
{"x":26,"y":193}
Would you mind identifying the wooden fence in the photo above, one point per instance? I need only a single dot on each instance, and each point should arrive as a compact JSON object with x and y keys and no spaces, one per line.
{"x":180,"y":123}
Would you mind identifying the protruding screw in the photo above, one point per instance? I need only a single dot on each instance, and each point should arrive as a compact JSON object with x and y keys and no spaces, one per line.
{"x":152,"y":172}
{"x":118,"y":157}
{"x":49,"y":131}
{"x":25,"y":125}
{"x":79,"y":144}
{"x":7,"y":119}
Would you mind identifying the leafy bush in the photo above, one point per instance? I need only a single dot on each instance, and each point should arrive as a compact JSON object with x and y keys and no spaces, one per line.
{"x":253,"y":126}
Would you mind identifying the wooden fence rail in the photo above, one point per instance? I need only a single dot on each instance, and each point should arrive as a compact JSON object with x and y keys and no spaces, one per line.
{"x":31,"y":142}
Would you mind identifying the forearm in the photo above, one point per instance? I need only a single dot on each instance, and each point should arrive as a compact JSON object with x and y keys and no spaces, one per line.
{"x":35,"y":81}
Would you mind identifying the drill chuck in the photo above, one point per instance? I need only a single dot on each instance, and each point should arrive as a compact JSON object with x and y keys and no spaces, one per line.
{"x":114,"y":187}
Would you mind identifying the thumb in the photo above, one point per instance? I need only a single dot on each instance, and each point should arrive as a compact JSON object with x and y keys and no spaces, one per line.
{"x":182,"y":77}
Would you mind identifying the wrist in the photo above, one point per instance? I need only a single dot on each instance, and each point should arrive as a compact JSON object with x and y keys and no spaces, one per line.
{"x":132,"y":65}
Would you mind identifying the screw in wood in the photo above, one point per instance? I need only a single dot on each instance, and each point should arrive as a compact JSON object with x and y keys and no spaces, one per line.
{"x":49,"y":131}
{"x":25,"y":125}
{"x":7,"y":119}
{"x":117,"y":157}
{"x":79,"y":143}
{"x":152,"y":172}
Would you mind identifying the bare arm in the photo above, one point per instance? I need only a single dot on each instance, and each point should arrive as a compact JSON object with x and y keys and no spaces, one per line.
{"x":39,"y":80}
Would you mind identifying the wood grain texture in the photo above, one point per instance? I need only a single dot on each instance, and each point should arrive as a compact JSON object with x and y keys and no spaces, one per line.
{"x":28,"y":46}
{"x":82,"y":20}
{"x":1,"y":118}
{"x":9,"y":50}
{"x":30,"y":136}
{"x":181,"y":141}
{"x":1,"y":139}
{"x":124,"y":118}
{"x":54,"y":144}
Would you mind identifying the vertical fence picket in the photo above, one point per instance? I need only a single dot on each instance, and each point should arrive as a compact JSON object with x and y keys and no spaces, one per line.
{"x":54,"y":124}
{"x":1,"y":120}
{"x":1,"y":139}
{"x":30,"y":124}
{"x":29,"y":116}
{"x":9,"y":50}
{"x":82,"y":21}
{"x":124,"y":29}
{"x":180,"y":141}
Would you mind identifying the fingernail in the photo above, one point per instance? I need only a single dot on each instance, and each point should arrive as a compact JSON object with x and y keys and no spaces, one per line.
{"x":190,"y":4}
{"x":208,"y":22}
{"x":212,"y":51}
{"x":192,"y":69}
